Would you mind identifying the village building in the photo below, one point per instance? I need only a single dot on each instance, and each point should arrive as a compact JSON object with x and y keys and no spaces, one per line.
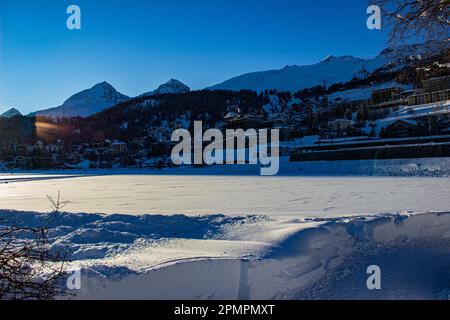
{"x":400,"y":129}
{"x":340,"y":124}
{"x":436,"y":84}
{"x":429,"y":97}
{"x":386,"y":94}
{"x":247,"y":121}
{"x":434,"y":90}
{"x":118,"y":147}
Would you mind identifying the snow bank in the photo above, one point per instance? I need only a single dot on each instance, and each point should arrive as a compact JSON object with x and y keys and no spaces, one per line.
{"x":423,"y":167}
{"x":432,"y":167}
{"x":252,"y":257}
{"x":365,"y":93}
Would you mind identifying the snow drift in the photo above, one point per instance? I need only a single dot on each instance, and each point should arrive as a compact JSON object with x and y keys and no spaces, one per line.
{"x":253,"y":257}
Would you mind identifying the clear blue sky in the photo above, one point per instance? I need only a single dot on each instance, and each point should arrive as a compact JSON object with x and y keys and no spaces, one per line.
{"x":136,"y":45}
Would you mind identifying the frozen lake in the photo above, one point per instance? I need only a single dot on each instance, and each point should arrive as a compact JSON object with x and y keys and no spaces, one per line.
{"x":236,"y":195}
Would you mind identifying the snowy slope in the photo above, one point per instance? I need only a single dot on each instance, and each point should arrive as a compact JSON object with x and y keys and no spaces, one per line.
{"x":331,"y":70}
{"x":87,"y":102}
{"x":172,"y":86}
{"x":293,"y":78}
{"x":411,"y":112}
{"x":11,"y":113}
{"x":364,"y":93}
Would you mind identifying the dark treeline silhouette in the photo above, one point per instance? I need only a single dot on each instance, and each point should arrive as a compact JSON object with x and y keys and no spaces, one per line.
{"x":132,"y":119}
{"x":17,"y":130}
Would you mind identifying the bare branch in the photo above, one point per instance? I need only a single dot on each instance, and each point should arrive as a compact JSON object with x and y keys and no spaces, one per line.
{"x":29,"y":267}
{"x":416,"y":20}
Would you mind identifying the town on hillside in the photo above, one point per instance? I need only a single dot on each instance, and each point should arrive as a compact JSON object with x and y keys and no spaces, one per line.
{"x":401,"y":114}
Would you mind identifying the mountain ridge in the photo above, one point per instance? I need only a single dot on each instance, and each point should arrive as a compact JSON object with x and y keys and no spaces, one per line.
{"x":332,"y":70}
{"x":11,"y":113}
{"x":173,"y":86}
{"x":103,"y":96}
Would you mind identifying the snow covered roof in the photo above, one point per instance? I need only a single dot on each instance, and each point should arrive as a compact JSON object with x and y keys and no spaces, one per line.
{"x":230,"y":115}
{"x":413,"y":122}
{"x":118,"y":143}
{"x":408,"y":121}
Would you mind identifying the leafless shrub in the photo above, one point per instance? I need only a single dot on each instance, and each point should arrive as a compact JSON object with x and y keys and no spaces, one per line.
{"x":29,"y":268}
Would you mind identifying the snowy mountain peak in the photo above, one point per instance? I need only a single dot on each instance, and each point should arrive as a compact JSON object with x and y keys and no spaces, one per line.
{"x":87,"y":102}
{"x":331,"y":58}
{"x":172,"y":86}
{"x":431,"y":47}
{"x":327,"y":58}
{"x":11,"y":113}
{"x":100,"y":93}
{"x":104,"y":86}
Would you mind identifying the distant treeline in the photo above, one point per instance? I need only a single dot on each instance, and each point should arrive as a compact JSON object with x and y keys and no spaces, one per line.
{"x":17,"y":130}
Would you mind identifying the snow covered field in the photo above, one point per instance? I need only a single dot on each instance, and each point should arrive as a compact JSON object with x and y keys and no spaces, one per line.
{"x":252,"y":257}
{"x":233,"y":195}
{"x":224,"y":233}
{"x":303,"y":189}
